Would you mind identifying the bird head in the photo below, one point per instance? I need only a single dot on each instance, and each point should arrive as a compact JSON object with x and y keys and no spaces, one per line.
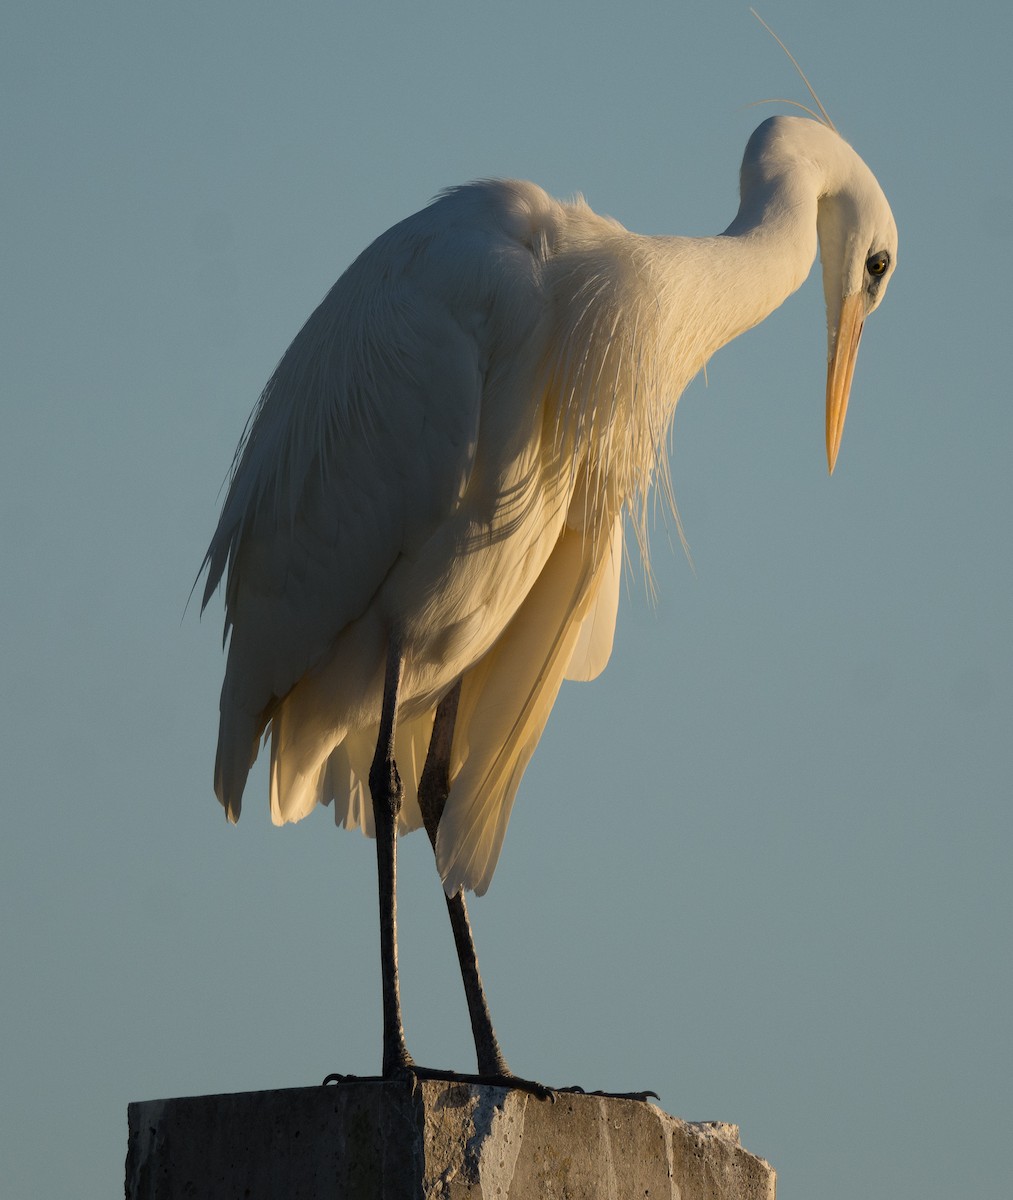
{"x":858,"y":250}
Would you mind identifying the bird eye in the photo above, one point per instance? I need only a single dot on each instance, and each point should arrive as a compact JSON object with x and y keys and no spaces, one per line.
{"x":876,"y":264}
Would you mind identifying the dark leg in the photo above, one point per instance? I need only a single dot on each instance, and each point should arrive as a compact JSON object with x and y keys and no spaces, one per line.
{"x":434,"y":787}
{"x":387,"y":792}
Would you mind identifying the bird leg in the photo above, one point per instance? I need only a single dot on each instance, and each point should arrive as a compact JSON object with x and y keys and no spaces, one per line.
{"x":387,"y":793}
{"x":434,"y":787}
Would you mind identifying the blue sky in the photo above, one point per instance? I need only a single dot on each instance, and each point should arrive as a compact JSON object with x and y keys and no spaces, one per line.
{"x":763,"y":864}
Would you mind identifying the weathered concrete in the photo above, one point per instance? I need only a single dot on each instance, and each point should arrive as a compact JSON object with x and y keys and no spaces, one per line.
{"x":368,"y":1140}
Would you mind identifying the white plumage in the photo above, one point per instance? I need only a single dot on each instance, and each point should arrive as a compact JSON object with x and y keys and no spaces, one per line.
{"x":446,"y":450}
{"x":439,"y":470}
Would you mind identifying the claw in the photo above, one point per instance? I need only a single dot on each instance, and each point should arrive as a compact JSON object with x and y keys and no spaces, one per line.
{"x":506,"y":1080}
{"x":579,"y":1091}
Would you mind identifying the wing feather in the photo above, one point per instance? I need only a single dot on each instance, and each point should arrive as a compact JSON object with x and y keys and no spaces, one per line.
{"x":597,"y":630}
{"x":362,"y":443}
{"x":505,"y":702}
{"x":354,"y":456}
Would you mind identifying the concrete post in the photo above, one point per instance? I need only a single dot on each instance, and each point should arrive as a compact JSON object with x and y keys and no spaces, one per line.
{"x":430,"y":1140}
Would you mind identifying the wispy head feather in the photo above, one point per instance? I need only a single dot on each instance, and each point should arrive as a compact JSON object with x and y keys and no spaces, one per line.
{"x":822,"y":116}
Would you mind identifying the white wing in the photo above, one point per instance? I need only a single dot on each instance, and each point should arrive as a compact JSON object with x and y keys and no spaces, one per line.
{"x":361,"y":445}
{"x":507,"y":697}
{"x":597,"y":630}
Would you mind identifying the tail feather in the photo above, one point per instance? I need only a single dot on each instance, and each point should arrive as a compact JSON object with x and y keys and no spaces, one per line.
{"x":238,"y":743}
{"x":345,"y":780}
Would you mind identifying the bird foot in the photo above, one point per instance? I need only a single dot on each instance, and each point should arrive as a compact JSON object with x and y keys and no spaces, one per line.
{"x":577,"y":1090}
{"x":505,"y":1080}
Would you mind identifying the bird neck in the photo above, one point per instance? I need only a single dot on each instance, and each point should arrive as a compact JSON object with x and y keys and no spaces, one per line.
{"x":765,"y":254}
{"x":642,"y":316}
{"x":711,"y":289}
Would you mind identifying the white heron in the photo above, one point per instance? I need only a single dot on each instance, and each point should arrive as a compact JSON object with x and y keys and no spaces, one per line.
{"x":424,"y":527}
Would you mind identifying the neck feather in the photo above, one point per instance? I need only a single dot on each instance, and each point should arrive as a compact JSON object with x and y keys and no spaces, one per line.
{"x":642,"y":315}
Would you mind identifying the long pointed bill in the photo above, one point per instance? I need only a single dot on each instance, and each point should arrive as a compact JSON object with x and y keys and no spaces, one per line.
{"x":840,"y":370}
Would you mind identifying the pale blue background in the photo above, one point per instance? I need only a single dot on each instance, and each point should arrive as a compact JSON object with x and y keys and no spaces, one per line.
{"x":762,"y":865}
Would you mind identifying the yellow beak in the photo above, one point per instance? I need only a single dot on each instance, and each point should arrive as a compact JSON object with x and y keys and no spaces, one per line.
{"x":840,"y":370}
